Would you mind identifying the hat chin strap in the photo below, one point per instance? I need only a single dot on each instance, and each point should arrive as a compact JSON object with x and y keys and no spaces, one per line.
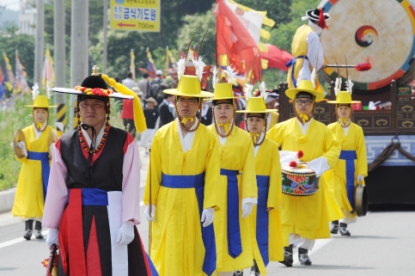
{"x":303,"y":117}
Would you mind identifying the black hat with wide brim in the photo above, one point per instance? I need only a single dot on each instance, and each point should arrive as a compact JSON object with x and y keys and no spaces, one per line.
{"x":94,"y":81}
{"x":315,"y":14}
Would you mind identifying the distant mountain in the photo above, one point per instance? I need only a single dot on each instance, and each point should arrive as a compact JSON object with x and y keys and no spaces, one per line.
{"x":8,"y":18}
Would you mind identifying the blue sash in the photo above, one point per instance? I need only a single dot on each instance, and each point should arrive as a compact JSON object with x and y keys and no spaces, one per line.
{"x":292,"y":63}
{"x":349,"y":156}
{"x":198,"y":183}
{"x":43,"y":157}
{"x":234,"y":231}
{"x":262,"y":217}
{"x":93,"y":197}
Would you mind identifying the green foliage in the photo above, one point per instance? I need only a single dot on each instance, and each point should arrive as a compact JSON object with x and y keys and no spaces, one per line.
{"x":10,"y":122}
{"x":199,"y":24}
{"x":25,"y":44}
{"x":282,"y":36}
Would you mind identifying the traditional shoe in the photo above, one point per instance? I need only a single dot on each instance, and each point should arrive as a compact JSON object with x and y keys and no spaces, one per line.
{"x":303,"y":256}
{"x":28,"y":228}
{"x":238,"y":273}
{"x":38,"y":230}
{"x":288,"y":256}
{"x":28,"y":234}
{"x":254,"y":270}
{"x":343,"y":229}
{"x":38,"y":235}
{"x":335,"y":228}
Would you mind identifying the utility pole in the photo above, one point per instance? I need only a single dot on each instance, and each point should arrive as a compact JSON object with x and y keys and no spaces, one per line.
{"x":39,"y":51}
{"x":105,"y":54}
{"x":60,"y":62}
{"x":79,"y":49}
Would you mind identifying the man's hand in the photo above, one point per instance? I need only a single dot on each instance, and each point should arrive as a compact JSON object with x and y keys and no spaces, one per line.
{"x":21,"y":145}
{"x":126,"y":233}
{"x":150,"y":217}
{"x":52,"y":237}
{"x":246,"y":209}
{"x":208,"y":215}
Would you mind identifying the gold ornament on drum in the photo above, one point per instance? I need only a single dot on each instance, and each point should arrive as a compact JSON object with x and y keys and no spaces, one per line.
{"x":19,"y":144}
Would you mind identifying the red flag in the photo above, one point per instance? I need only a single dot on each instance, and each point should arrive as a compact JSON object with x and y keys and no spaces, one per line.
{"x":276,"y":57}
{"x":235,"y":41}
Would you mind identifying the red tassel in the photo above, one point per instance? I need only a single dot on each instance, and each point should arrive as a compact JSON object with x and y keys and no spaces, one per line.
{"x":293,"y":164}
{"x":300,"y":154}
{"x":322,"y":19}
{"x":364,"y":66}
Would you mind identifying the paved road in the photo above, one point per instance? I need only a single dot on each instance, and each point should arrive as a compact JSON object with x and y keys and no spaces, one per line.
{"x":382,"y":244}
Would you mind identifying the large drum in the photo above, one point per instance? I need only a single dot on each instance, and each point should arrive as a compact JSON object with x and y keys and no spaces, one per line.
{"x":382,"y":31}
{"x":298,"y":181}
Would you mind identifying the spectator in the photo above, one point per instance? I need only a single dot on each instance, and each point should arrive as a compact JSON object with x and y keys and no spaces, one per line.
{"x":151,"y":113}
{"x":127,"y":114}
{"x":129,"y":82}
{"x":145,"y":87}
{"x":167,"y":83}
{"x":206,"y":114}
{"x":155,"y":83}
{"x":166,"y":110}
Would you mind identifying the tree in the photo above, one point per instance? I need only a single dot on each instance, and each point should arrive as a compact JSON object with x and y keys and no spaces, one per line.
{"x":25,"y":44}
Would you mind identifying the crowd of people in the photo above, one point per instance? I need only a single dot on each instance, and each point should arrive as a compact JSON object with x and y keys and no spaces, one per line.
{"x":219,"y":198}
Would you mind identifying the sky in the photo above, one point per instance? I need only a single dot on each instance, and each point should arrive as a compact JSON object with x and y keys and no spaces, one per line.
{"x":10,"y":4}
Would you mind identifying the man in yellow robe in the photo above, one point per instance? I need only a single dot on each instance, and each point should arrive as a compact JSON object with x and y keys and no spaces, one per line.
{"x":306,"y":50}
{"x":182,"y":188}
{"x":266,"y":216}
{"x":306,"y":218}
{"x":237,"y":183}
{"x":351,"y":168}
{"x":33,"y":180}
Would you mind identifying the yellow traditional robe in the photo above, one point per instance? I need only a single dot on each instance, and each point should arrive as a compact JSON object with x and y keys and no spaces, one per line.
{"x":177,"y":246}
{"x":354,"y":140}
{"x":29,"y":200}
{"x":273,"y":121}
{"x":236,"y":154}
{"x":299,"y":48}
{"x":267,"y":163}
{"x":308,"y":216}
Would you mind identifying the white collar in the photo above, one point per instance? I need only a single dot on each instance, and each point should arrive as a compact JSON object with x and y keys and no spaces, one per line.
{"x":99,"y":136}
{"x":316,"y":28}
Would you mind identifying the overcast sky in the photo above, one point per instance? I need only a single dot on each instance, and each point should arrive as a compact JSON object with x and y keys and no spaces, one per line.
{"x":10,"y":4}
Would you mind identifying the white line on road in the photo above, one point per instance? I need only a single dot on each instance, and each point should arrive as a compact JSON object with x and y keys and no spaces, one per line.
{"x":19,"y":240}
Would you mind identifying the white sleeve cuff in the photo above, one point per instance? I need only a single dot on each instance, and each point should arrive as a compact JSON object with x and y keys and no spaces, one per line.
{"x":319,"y":165}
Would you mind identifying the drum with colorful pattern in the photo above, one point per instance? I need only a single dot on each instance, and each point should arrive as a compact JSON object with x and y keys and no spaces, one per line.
{"x":298,"y":181}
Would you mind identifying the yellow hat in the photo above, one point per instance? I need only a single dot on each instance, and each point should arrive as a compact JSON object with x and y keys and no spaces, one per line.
{"x":256,"y":105}
{"x":343,"y":97}
{"x":304,"y":86}
{"x":41,"y":101}
{"x":223,"y":91}
{"x":189,"y":86}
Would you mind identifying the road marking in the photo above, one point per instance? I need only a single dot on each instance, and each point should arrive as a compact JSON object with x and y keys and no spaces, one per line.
{"x":19,"y":240}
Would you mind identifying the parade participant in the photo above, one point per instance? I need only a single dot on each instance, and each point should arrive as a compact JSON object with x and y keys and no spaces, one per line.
{"x":151,"y":114}
{"x":94,"y":193}
{"x":351,"y":168}
{"x":206,"y":113}
{"x":306,"y":218}
{"x":306,"y":49}
{"x":33,"y":153}
{"x":271,"y":103}
{"x":265,"y":220}
{"x":238,"y":191}
{"x":181,"y":191}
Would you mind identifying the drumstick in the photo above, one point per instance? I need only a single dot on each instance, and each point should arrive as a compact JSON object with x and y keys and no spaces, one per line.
{"x":364,"y":66}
